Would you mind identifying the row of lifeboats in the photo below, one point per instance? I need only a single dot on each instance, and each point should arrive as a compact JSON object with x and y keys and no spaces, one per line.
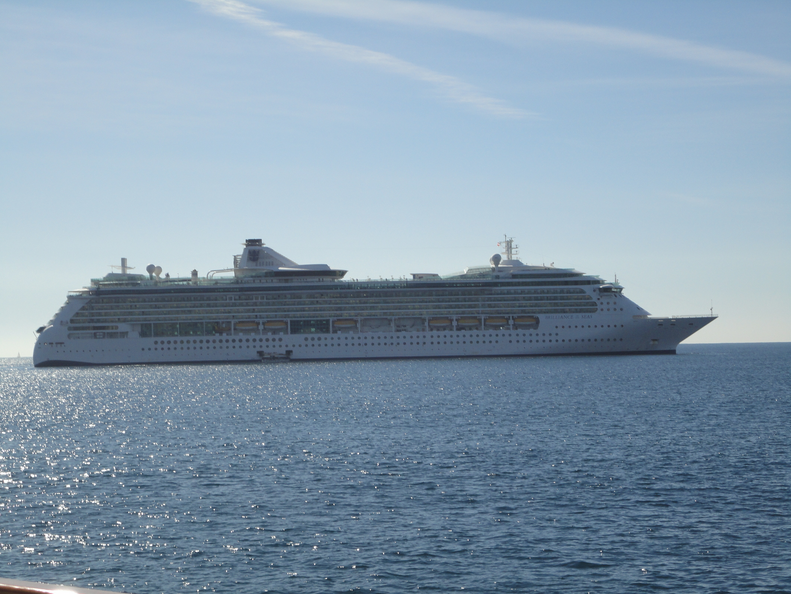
{"x":351,"y":324}
{"x":247,"y":326}
{"x":492,"y":322}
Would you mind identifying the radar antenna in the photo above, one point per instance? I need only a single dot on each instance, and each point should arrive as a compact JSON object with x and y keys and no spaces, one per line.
{"x":510,"y":249}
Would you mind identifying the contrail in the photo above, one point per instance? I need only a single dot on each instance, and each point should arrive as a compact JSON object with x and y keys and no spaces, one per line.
{"x":451,"y":87}
{"x":522,"y":31}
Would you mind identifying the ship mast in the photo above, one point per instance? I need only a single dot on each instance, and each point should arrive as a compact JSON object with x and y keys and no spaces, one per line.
{"x":124,"y":267}
{"x":510,"y":250}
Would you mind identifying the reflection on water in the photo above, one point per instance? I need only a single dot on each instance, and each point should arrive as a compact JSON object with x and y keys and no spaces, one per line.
{"x":546,"y":474}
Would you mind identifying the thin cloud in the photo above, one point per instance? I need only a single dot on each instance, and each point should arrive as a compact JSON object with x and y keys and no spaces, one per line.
{"x":521,"y":30}
{"x":451,"y":87}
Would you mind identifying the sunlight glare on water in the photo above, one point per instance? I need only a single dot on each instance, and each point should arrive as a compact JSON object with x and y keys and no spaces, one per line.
{"x":548,"y":474}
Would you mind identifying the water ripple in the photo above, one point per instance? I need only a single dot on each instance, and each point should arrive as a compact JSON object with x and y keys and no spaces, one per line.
{"x":529,"y":475}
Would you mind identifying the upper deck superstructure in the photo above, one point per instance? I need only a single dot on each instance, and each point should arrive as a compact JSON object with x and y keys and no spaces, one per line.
{"x":268,"y":306}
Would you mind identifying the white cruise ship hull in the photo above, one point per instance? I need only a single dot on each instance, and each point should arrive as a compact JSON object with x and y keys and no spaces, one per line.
{"x":633,"y":335}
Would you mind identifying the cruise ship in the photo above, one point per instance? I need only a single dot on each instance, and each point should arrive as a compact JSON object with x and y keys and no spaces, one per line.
{"x":268,"y":308}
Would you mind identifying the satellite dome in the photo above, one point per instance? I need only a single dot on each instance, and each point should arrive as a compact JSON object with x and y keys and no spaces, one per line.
{"x":150,"y":269}
{"x":495,"y":260}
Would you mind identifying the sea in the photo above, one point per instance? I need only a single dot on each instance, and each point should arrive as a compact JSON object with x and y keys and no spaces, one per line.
{"x":549,"y":474}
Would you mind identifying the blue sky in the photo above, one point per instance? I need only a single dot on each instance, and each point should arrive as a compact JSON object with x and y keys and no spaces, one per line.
{"x":647,"y":140}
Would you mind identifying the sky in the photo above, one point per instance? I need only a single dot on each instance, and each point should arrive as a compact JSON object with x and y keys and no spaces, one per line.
{"x":647,"y":140}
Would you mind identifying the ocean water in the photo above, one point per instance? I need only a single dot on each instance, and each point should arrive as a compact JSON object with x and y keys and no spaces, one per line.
{"x":552,"y":474}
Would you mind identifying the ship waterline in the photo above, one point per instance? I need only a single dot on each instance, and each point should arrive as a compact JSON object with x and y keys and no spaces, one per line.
{"x":268,"y":307}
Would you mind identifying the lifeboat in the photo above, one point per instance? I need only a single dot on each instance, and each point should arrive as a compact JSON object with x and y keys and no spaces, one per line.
{"x":247,"y":325}
{"x":344,"y":323}
{"x":468,"y":322}
{"x":222,"y":327}
{"x":439,"y":322}
{"x":496,"y":322}
{"x":526,"y":321}
{"x":275,"y":325}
